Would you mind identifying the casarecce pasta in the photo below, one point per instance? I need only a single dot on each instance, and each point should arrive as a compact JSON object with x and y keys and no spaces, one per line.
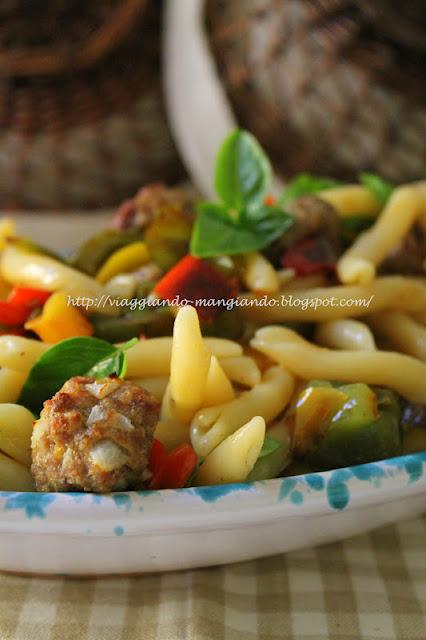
{"x":218,"y":342}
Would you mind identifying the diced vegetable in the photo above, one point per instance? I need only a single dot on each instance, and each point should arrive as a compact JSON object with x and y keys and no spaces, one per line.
{"x":315,"y":407}
{"x":171,"y":470}
{"x":93,"y":253}
{"x":59,"y":320}
{"x":194,"y":279}
{"x":414,"y":441}
{"x":271,"y":465}
{"x":20,"y":303}
{"x":124,"y":260}
{"x":364,"y":430}
{"x":167,"y":236}
{"x":151,"y":322}
{"x":309,"y":256}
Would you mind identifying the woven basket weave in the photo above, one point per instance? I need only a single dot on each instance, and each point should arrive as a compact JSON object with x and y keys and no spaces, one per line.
{"x":82,"y":123}
{"x":331,"y":86}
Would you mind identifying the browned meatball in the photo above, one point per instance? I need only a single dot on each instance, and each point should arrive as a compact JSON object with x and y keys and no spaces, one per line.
{"x":409,"y":257}
{"x":94,"y":435}
{"x":140,"y":211}
{"x":312,"y":217}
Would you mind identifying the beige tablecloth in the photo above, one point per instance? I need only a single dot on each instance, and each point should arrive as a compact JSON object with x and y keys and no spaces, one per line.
{"x":372,"y":587}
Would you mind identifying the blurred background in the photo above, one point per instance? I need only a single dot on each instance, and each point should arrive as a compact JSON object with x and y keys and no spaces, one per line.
{"x":333,"y":87}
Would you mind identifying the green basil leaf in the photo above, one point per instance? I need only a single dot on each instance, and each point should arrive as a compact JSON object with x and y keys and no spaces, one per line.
{"x":305,"y":184}
{"x":269,"y":446}
{"x":71,"y":357}
{"x":114,"y":364}
{"x":243,"y":171}
{"x":215,"y":234}
{"x":380,"y":188}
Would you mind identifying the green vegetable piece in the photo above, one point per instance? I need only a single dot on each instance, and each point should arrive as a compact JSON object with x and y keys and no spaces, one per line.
{"x":243,"y":171}
{"x":115,"y":364}
{"x":365,"y":430}
{"x":269,"y":445}
{"x":93,"y":253}
{"x":414,"y":441}
{"x":167,"y":236}
{"x":352,"y":226}
{"x":150,"y":322}
{"x":228,"y":324}
{"x":380,"y":188}
{"x":274,"y":456}
{"x":71,"y":357}
{"x":305,"y":184}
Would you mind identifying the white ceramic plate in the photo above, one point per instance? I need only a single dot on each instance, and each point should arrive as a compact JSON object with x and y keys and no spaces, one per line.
{"x":137,"y":532}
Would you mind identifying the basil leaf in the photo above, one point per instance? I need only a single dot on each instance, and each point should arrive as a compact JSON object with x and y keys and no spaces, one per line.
{"x":71,"y":357}
{"x":243,"y":171}
{"x":214,"y":234}
{"x":115,"y":363}
{"x":380,"y":188}
{"x":269,"y":446}
{"x":305,"y":184}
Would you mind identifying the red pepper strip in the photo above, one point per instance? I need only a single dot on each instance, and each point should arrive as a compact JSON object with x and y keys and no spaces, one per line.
{"x":28,"y":297}
{"x":173,"y":470}
{"x":13,"y":315}
{"x":181,"y":463}
{"x":309,"y":256}
{"x":15,"y":310}
{"x":194,"y":279}
{"x":157,"y":462}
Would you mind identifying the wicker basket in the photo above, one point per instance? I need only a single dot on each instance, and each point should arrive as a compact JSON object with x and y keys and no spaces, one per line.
{"x":82,"y":123}
{"x":330,"y":86}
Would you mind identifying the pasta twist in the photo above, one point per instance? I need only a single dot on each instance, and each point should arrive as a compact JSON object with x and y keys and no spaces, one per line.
{"x":403,"y":374}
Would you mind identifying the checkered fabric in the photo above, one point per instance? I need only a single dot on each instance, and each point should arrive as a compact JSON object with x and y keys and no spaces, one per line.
{"x":372,"y":587}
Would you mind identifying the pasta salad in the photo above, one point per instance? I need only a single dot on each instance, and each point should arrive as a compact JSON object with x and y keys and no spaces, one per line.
{"x":197,"y":343}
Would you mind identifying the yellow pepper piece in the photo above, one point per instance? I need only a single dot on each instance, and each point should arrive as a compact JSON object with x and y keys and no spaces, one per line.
{"x":314,"y":409}
{"x":7,"y":230}
{"x":124,"y":260}
{"x":59,"y":320}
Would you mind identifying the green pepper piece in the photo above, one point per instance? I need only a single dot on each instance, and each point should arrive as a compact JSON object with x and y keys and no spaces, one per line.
{"x":167,"y":236}
{"x":93,"y":253}
{"x":272,"y":465}
{"x":26,"y":244}
{"x":228,"y":324}
{"x":364,"y":430}
{"x":150,"y":322}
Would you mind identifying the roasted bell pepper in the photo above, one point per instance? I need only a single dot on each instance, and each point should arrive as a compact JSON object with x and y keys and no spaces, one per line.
{"x":59,"y":320}
{"x":151,"y":322}
{"x":194,"y":279}
{"x":312,"y":255}
{"x":20,"y":303}
{"x":364,"y":429}
{"x":171,"y":470}
{"x":167,"y":236}
{"x":93,"y":253}
{"x":124,"y":260}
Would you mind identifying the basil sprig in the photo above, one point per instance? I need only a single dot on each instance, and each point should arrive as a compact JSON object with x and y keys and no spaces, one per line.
{"x":241,"y":221}
{"x":380,"y":188}
{"x":72,"y":357}
{"x":305,"y":184}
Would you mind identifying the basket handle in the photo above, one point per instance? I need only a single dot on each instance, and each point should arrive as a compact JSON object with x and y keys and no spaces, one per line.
{"x":53,"y":60}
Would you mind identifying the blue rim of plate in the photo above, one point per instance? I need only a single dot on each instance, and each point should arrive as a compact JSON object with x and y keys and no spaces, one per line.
{"x":215,"y":506}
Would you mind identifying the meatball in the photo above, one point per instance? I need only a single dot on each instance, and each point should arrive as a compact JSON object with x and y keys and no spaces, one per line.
{"x":409,"y":257}
{"x":94,"y":435}
{"x":140,"y":211}
{"x":312,"y":217}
